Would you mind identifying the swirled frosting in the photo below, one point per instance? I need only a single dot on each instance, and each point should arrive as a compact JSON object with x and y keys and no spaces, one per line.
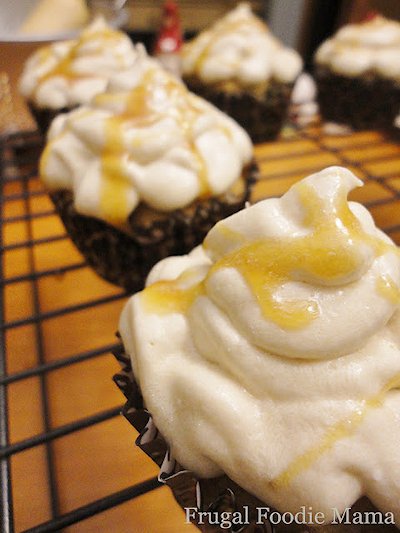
{"x":69,"y":73}
{"x":148,"y":139}
{"x":239,"y":49}
{"x":272,"y":353}
{"x":367,"y":47}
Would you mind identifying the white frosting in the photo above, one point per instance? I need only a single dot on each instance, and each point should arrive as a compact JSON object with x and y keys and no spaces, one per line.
{"x":372,"y":46}
{"x":303,"y":106}
{"x":304,"y":90}
{"x":298,"y":416}
{"x":148,"y":139}
{"x":69,"y":73}
{"x":240,"y":48}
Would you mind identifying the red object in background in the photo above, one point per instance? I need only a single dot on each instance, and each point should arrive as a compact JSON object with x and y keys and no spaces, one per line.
{"x":371,"y":15}
{"x":169,"y":39}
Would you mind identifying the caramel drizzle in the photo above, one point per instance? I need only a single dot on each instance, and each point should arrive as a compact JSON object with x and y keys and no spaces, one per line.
{"x":341,"y":430}
{"x":170,"y":296}
{"x":114,"y":180}
{"x":141,"y":111}
{"x":331,"y":252}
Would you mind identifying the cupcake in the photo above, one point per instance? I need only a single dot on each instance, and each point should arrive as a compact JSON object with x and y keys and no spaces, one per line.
{"x":358,"y":74}
{"x":144,"y":171}
{"x":239,"y":66}
{"x":60,"y":76}
{"x":266,"y":366}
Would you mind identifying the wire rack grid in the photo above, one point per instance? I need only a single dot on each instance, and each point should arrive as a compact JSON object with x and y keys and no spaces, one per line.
{"x":60,"y":429}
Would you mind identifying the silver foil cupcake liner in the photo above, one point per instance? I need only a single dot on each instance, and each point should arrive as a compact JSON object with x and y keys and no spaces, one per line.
{"x":212,"y":504}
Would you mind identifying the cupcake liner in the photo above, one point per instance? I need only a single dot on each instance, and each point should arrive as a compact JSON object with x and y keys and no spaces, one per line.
{"x":215,"y":495}
{"x":210,"y":495}
{"x":361,"y":102}
{"x":125,"y":258}
{"x":262,"y":117}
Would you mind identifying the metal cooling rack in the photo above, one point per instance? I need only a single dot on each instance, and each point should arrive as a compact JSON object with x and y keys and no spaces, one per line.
{"x":372,"y":157}
{"x":18,"y":160}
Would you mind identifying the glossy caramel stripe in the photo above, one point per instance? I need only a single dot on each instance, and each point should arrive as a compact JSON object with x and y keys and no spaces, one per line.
{"x":341,"y":430}
{"x":331,"y":252}
{"x":140,"y":112}
{"x":64,"y":67}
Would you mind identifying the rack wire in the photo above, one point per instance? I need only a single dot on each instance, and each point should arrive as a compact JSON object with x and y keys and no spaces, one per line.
{"x":372,"y":157}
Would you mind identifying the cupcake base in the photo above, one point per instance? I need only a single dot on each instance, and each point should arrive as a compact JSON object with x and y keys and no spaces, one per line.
{"x":261,"y":116}
{"x":204,"y":500}
{"x":125,"y":257}
{"x":44,"y":117}
{"x":361,"y":103}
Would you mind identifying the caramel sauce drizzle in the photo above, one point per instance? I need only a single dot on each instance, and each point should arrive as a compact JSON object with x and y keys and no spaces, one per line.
{"x":65,"y":67}
{"x":115,"y":183}
{"x":171,"y":297}
{"x":331,"y":252}
{"x":140,"y":110}
{"x":341,"y":430}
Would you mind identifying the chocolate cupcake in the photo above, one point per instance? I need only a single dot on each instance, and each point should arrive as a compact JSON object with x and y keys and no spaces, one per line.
{"x":358,"y":75}
{"x":144,"y":171}
{"x":265,"y":366}
{"x":240,"y":67}
{"x":60,"y":76}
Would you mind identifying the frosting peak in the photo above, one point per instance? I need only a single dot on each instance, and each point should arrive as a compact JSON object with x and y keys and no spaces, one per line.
{"x":272,"y":353}
{"x":241,"y":50}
